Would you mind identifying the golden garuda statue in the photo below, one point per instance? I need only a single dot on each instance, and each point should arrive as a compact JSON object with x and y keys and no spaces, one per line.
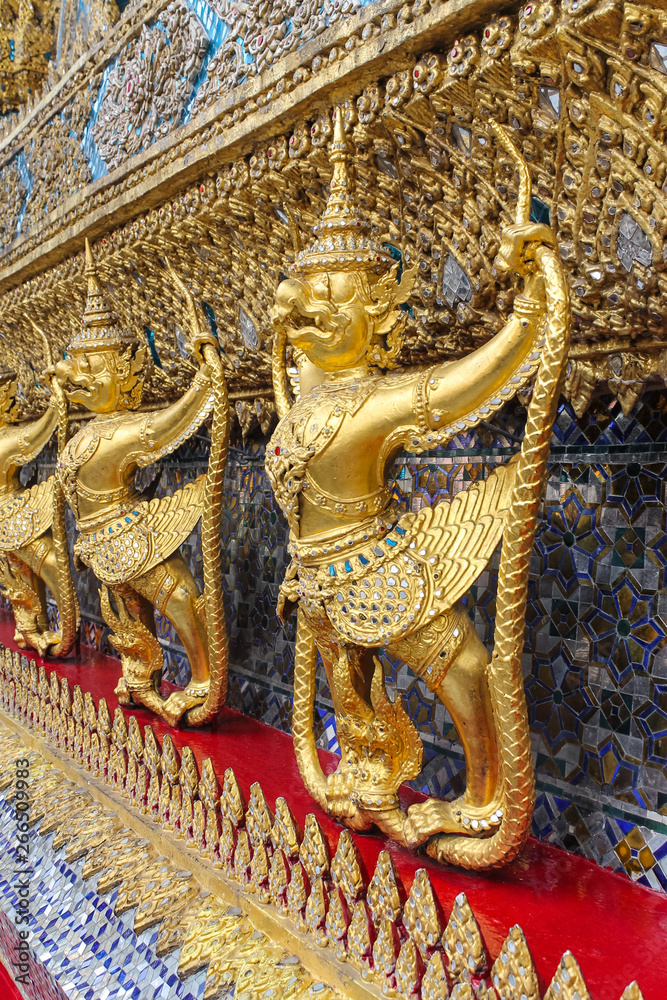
{"x":33,"y":545}
{"x":366,"y":576}
{"x":131,"y":543}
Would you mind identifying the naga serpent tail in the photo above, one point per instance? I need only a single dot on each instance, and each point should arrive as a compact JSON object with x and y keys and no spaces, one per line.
{"x":67,"y":603}
{"x":279,"y":374}
{"x":303,"y":736}
{"x":505,"y":675}
{"x":218,"y":647}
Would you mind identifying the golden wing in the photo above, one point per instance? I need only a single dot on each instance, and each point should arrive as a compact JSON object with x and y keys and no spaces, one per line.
{"x":171,"y":519}
{"x":456,"y":538}
{"x":26,"y":515}
{"x":129,"y":546}
{"x":424,"y":565}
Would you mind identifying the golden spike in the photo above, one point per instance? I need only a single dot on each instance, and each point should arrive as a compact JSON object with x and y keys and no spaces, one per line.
{"x":164,"y":802}
{"x":131,"y":777}
{"x":77,"y":703}
{"x":297,"y":893}
{"x":65,"y":697}
{"x":314,"y":850}
{"x":434,"y":983}
{"x":346,"y":869}
{"x":336,"y":924}
{"x":170,"y":759}
{"x":103,"y":718}
{"x":153,"y":796}
{"x":286,"y":833}
{"x":632,"y":992}
{"x":188,"y":773}
{"x":184,"y":827}
{"x":119,"y":731}
{"x":242,"y":857}
{"x":152,"y":752}
{"x":135,"y":744}
{"x":568,"y":982}
{"x":385,"y":952}
{"x":279,"y":879}
{"x":421,"y":914}
{"x":140,"y":792}
{"x":316,"y":912}
{"x":89,"y":711}
{"x":227,"y":844}
{"x":209,"y":790}
{"x":513,"y":971}
{"x":232,"y":802}
{"x":409,"y":969}
{"x":175,"y":805}
{"x":462,"y":931}
{"x":258,"y":817}
{"x":259,"y":873}
{"x":360,"y":937}
{"x":385,"y":893}
{"x":212,"y":835}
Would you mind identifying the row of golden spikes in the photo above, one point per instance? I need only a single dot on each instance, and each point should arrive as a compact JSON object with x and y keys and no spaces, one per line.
{"x":394,"y":939}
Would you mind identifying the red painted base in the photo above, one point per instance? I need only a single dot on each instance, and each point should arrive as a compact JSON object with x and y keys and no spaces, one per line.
{"x":617,"y":930}
{"x":8,"y":988}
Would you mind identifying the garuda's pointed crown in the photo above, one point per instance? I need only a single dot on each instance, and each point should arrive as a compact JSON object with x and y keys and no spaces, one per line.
{"x":343,"y":239}
{"x":100,"y":328}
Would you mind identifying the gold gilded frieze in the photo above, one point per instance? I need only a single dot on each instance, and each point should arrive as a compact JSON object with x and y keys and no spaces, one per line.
{"x":581,"y":90}
{"x":246,"y":895}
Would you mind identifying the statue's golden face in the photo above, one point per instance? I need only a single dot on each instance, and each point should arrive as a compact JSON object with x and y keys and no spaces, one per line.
{"x":91,"y":380}
{"x":326,"y":316}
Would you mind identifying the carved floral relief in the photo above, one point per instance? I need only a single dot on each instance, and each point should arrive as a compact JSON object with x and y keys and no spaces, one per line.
{"x":148,"y":89}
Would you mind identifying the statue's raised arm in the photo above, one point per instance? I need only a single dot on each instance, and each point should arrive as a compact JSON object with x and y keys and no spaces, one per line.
{"x":363,"y":575}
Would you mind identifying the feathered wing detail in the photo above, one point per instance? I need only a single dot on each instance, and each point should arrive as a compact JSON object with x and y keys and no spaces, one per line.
{"x":172,"y":519}
{"x":461,"y":534}
{"x":423,"y":566}
{"x":25,"y":516}
{"x":143,"y":537}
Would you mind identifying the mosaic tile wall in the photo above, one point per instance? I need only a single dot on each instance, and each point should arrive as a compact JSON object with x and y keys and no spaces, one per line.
{"x":595,"y":657}
{"x":80,"y":950}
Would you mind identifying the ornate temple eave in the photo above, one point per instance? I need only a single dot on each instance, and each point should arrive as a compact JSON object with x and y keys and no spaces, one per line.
{"x":209,"y":142}
{"x":424,"y":155}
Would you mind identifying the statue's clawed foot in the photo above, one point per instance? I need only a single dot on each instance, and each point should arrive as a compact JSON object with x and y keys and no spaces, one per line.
{"x":180,"y":702}
{"x":34,"y":639}
{"x":339,"y":800}
{"x":434,"y":816}
{"x":122,"y":693}
{"x":45,"y":640}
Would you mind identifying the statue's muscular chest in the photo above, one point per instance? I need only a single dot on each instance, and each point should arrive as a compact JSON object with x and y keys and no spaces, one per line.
{"x":85,"y":464}
{"x":306,"y":432}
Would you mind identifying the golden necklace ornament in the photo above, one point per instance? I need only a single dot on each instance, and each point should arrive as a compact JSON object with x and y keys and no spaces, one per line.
{"x":132,"y":543}
{"x":364,"y":576}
